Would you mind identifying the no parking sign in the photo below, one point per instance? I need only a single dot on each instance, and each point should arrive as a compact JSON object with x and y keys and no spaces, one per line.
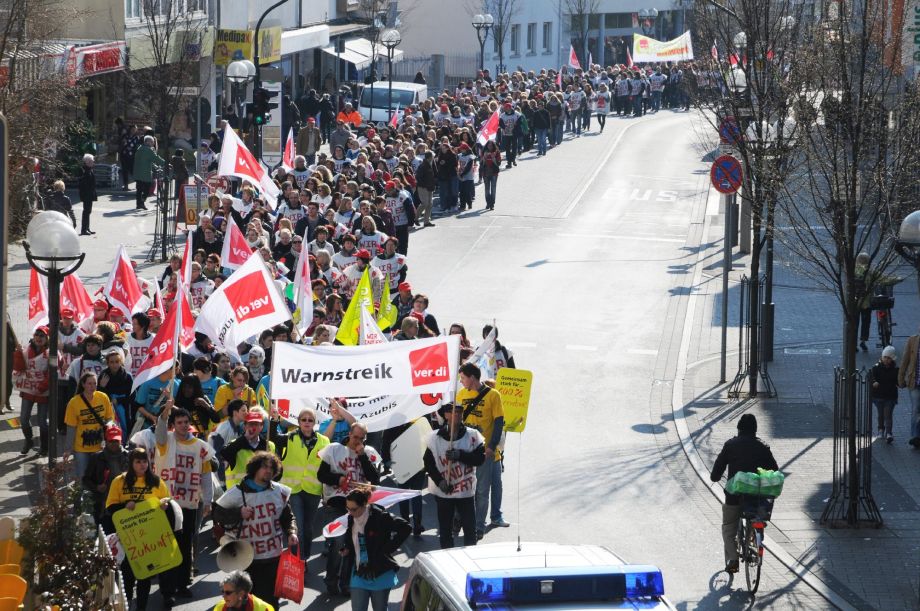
{"x":726,"y":174}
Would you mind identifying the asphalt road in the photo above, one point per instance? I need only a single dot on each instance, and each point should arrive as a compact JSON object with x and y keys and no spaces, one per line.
{"x":583,"y":265}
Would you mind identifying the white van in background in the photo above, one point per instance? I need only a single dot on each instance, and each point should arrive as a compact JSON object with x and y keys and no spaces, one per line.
{"x":374,"y":109}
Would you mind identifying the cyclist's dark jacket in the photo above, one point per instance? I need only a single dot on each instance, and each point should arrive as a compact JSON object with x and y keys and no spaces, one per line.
{"x":742,"y":453}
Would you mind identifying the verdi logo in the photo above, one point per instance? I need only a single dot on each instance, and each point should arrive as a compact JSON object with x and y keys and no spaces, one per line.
{"x":249,"y":297}
{"x":429,"y":365}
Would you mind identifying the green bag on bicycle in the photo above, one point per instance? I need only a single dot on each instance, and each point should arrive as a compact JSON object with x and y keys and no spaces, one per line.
{"x":762,"y":483}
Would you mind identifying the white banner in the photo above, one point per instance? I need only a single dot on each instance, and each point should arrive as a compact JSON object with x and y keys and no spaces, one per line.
{"x":647,"y":49}
{"x":414,"y":367}
{"x":376,"y":413}
{"x":247,"y":303}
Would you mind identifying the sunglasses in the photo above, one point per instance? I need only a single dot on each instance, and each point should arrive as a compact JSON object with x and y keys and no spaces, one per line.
{"x":227,"y":592}
{"x":306,"y":420}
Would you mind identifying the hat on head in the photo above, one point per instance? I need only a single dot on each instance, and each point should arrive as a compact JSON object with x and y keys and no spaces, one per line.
{"x":747,"y":424}
{"x":43,"y":329}
{"x":101,"y":304}
{"x":253,"y":416}
{"x":444,"y":108}
{"x":389,"y":185}
{"x":66,"y":313}
{"x":112,"y":433}
{"x":444,"y":408}
{"x":890,"y":352}
{"x":154,"y":313}
{"x":508,"y":106}
{"x":371,"y":132}
{"x":404,"y":286}
{"x":363,"y":254}
{"x":116,"y":312}
{"x":311,"y":120}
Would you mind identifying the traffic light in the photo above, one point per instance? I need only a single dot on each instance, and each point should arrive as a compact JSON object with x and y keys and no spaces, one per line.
{"x":262,"y":105}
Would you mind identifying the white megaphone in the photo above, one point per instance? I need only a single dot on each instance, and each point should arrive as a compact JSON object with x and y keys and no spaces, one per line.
{"x":234,"y":555}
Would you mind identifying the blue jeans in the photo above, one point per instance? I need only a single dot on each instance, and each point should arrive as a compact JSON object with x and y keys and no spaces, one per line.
{"x":637,"y":105}
{"x":541,"y":141}
{"x":303,"y":506}
{"x":447,"y":192}
{"x":488,"y":487}
{"x":377,"y":599}
{"x":80,"y":462}
{"x":25,"y":417}
{"x":557,"y":133}
{"x":915,"y":416}
{"x":490,"y":183}
{"x":656,"y":101}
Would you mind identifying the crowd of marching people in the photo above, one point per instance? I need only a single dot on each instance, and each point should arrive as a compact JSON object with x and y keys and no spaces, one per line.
{"x":204,"y":438}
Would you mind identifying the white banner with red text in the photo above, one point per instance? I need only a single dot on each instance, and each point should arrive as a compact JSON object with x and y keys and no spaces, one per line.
{"x":376,"y":413}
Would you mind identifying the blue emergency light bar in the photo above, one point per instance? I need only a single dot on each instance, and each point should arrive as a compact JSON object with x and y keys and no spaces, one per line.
{"x":564,"y":584}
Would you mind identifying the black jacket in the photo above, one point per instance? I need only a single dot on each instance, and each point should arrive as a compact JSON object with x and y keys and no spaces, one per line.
{"x":87,"y":186}
{"x":742,"y":453}
{"x":383,"y":534}
{"x":474,"y":458}
{"x":887,"y":378}
{"x":229,"y":452}
{"x":540,"y":119}
{"x":117,"y":386}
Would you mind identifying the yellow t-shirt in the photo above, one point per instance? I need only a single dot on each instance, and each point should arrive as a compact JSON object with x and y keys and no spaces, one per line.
{"x":119,"y":494}
{"x":224,"y":396}
{"x":482,"y":418}
{"x":87,"y":427}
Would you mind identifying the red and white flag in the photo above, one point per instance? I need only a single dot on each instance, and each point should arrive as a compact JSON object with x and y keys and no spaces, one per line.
{"x":235,"y":251}
{"x":394,"y":120}
{"x":164,"y":349}
{"x":303,"y":289}
{"x":157,"y":297}
{"x":559,"y":78}
{"x":38,"y":300}
{"x":714,"y":51}
{"x":573,"y":58}
{"x":489,"y":129}
{"x":122,"y":289}
{"x":369,"y":331}
{"x":245,"y":305}
{"x":287,"y":159}
{"x":185,"y":272}
{"x":75,"y":296}
{"x":385,"y":497}
{"x":590,"y":60}
{"x":236,"y":160}
{"x":187,"y":330}
{"x":629,"y":61}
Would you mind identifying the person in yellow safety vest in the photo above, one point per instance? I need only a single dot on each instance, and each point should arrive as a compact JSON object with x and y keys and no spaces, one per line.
{"x":235,"y":590}
{"x":299,"y":453}
{"x":241,"y":449}
{"x":238,"y":388}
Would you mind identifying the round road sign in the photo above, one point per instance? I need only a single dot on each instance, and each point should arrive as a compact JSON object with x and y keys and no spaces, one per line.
{"x":726,"y":174}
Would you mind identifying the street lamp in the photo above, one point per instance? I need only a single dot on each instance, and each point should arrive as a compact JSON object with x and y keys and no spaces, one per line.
{"x":482,"y":23}
{"x":908,"y":244}
{"x":53,"y":250}
{"x":647,"y":17}
{"x":240,"y":73}
{"x":390,"y":39}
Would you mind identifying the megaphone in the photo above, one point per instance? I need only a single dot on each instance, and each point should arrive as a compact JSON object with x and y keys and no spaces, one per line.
{"x":234,"y":555}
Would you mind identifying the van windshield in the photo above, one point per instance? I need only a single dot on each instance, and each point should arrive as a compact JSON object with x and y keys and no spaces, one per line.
{"x":402,"y":97}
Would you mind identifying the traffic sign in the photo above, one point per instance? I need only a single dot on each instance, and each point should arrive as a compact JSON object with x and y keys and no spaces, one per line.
{"x":729,"y":132}
{"x":726,"y":174}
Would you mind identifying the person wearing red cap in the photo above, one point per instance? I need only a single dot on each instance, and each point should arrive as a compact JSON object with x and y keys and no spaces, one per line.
{"x":30,"y":375}
{"x":238,"y":452}
{"x":100,"y":313}
{"x":70,"y":340}
{"x":391,"y":264}
{"x":403,"y":301}
{"x":156,"y":319}
{"x":352,"y":275}
{"x":117,"y":317}
{"x":398,"y":201}
{"x":309,"y":139}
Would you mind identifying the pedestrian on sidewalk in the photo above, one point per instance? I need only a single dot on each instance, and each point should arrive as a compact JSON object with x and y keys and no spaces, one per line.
{"x":60,"y":202}
{"x":908,"y":378}
{"x":87,"y":188}
{"x":30,"y":373}
{"x":145,"y":158}
{"x":884,"y":378}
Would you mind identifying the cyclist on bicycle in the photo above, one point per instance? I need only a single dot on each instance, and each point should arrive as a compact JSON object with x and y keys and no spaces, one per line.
{"x":744,"y":452}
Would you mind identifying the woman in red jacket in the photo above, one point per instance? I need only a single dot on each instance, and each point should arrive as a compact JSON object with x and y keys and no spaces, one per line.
{"x":30,"y":374}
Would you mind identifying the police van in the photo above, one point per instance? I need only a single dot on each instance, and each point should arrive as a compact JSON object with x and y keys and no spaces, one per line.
{"x":548,"y":576}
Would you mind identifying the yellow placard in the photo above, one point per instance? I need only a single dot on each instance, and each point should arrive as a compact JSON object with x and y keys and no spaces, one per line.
{"x":228,"y":42}
{"x":270,"y":45}
{"x":514,"y":387}
{"x":145,"y":535}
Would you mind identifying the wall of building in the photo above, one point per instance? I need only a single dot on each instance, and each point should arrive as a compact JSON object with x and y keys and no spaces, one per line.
{"x":97,"y":20}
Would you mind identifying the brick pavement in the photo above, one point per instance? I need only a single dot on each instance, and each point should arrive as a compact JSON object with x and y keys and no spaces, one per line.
{"x":870,"y":568}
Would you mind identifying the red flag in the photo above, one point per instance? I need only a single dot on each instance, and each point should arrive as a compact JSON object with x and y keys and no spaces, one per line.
{"x":394,"y":120}
{"x":185,"y":272}
{"x":235,"y":251}
{"x":303,"y":291}
{"x":714,"y":51}
{"x":38,"y":300}
{"x":236,"y":160}
{"x":573,"y":58}
{"x":489,"y":129}
{"x":287,"y":159}
{"x":122,"y":289}
{"x":164,"y":350}
{"x":559,"y":78}
{"x":629,"y":61}
{"x":187,"y":332}
{"x":75,"y":297}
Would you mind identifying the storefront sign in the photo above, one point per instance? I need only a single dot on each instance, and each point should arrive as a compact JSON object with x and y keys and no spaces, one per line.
{"x":270,"y":45}
{"x":229,"y":42}
{"x":95,"y":59}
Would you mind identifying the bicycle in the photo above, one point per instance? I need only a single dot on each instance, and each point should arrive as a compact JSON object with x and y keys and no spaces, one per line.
{"x":883,"y":304}
{"x":755,"y":511}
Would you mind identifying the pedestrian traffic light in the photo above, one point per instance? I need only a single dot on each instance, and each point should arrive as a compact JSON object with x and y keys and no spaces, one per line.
{"x":262,"y":105}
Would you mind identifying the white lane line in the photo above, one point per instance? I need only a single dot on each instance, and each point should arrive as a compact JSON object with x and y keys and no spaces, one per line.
{"x":520,"y":344}
{"x":584,"y":189}
{"x":644,"y":351}
{"x":594,"y":236}
{"x":581,"y":348}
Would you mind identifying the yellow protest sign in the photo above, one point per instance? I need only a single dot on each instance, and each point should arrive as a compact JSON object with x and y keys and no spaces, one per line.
{"x":228,"y":42}
{"x":514,"y":387}
{"x":147,"y":538}
{"x":270,"y":45}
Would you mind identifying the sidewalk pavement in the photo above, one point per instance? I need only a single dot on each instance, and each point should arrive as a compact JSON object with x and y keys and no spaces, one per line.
{"x":869,"y":568}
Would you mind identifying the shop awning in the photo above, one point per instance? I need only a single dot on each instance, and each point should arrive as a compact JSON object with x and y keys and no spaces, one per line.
{"x":358,"y":52}
{"x":302,"y":39}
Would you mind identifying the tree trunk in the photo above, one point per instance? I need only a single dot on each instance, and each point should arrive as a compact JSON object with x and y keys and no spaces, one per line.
{"x":850,"y":398}
{"x":754,"y":345}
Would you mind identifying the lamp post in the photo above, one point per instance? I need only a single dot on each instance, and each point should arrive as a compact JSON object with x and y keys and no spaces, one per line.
{"x":390,"y":39}
{"x":240,"y":72}
{"x":482,"y":23}
{"x":908,"y":244}
{"x":647,"y":17}
{"x":53,"y":249}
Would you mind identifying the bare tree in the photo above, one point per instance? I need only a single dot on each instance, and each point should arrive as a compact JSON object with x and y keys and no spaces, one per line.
{"x":579,"y":14}
{"x":34,"y":95}
{"x":164,"y":80}
{"x":748,"y":84}
{"x":854,"y":177}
